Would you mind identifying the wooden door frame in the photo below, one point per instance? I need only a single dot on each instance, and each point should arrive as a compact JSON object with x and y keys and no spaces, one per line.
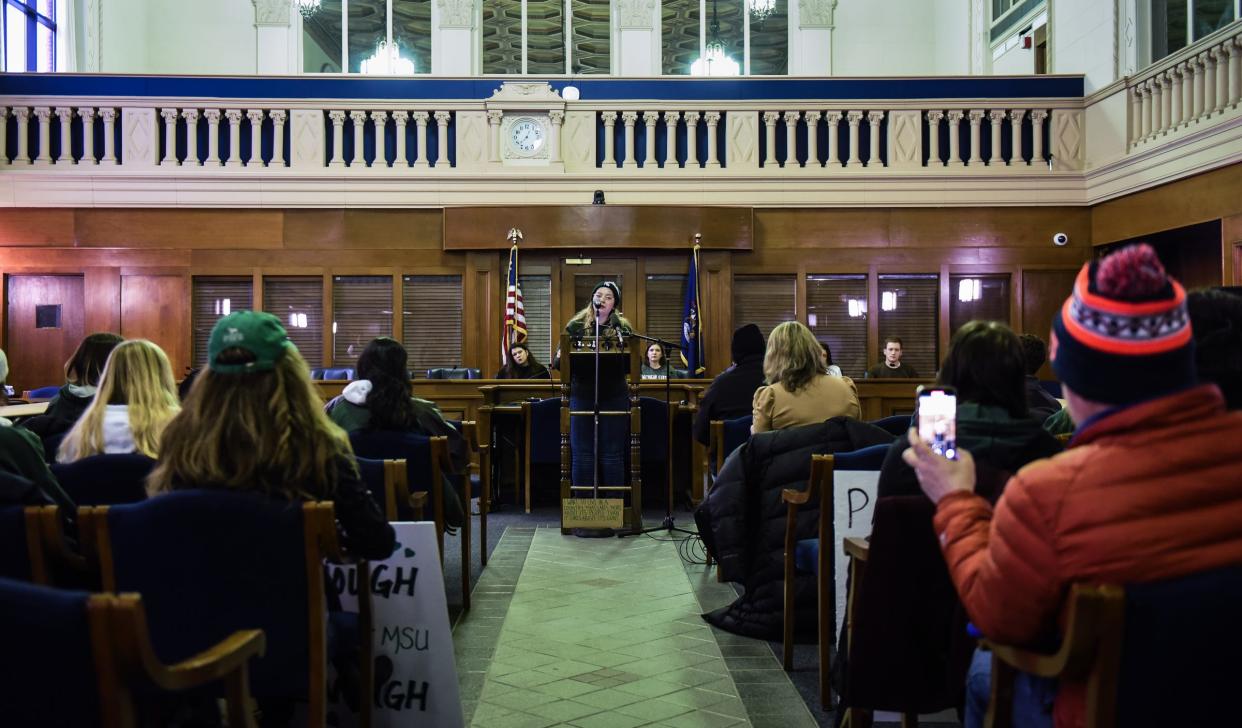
{"x":633,"y":296}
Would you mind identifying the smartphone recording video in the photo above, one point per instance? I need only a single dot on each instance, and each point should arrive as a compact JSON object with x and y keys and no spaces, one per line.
{"x":938,"y":420}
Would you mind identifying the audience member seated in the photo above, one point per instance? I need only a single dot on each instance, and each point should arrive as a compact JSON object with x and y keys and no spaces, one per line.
{"x":742,"y":519}
{"x":136,"y":399}
{"x":522,"y":365}
{"x":1216,"y":317}
{"x":21,"y":454}
{"x":82,"y":374}
{"x":254,"y":422}
{"x":829,"y":367}
{"x":1041,"y":404}
{"x":799,"y":390}
{"x":732,"y":392}
{"x":987,"y":366}
{"x":380,"y":400}
{"x":1148,"y":490}
{"x":656,"y":365}
{"x":891,"y":367}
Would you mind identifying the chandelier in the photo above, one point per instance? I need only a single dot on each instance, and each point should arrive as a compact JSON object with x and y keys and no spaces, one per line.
{"x":307,"y":8}
{"x":715,"y":62}
{"x":387,"y":61}
{"x":761,"y":10}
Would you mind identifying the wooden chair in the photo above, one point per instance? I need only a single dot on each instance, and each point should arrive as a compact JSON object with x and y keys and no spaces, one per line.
{"x":725,"y":437}
{"x":425,"y":462}
{"x":1152,"y":654}
{"x":470,"y":433}
{"x":22,"y":556}
{"x":208,"y":563}
{"x":83,"y":656}
{"x":812,"y":556}
{"x":104,"y":480}
{"x":389,"y":486}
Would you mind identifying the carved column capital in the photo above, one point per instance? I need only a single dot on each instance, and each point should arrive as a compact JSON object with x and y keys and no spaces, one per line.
{"x":610,"y":118}
{"x":691,"y":117}
{"x":955,"y":116}
{"x":190,"y":115}
{"x":337,"y":116}
{"x":712,"y":118}
{"x":811,"y":116}
{"x":271,"y":12}
{"x":212,"y":116}
{"x":494,"y":117}
{"x":87,"y":113}
{"x":277,"y":116}
{"x":379,"y":117}
{"x":1038,"y":116}
{"x":875,"y":117}
{"x":935,"y":116}
{"x":816,"y":13}
{"x":255,"y":116}
{"x":651,"y":118}
{"x":629,"y":117}
{"x":996,"y":116}
{"x":358,"y":117}
{"x":832,"y":117}
{"x":233,"y":115}
{"x":442,"y":118}
{"x":1221,"y":52}
{"x":853,"y":117}
{"x":43,"y":113}
{"x":64,"y":113}
{"x":421,"y":117}
{"x":107,"y":114}
{"x":636,"y":14}
{"x":557,"y":117}
{"x":401,"y":118}
{"x":456,"y":13}
{"x":771,"y":117}
{"x":1164,"y":79}
{"x":791,"y":117}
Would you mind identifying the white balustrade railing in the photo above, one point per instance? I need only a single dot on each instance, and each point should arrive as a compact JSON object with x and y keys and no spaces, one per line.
{"x":1187,"y":89}
{"x":83,"y":135}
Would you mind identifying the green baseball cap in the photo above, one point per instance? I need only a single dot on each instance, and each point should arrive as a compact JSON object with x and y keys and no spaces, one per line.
{"x":255,"y":331}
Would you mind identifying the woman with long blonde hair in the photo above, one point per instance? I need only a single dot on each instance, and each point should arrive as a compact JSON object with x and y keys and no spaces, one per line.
{"x":799,"y":389}
{"x":253,"y":421}
{"x":137,"y":397}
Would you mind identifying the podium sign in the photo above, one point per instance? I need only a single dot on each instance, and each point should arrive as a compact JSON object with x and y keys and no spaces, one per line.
{"x":592,"y":512}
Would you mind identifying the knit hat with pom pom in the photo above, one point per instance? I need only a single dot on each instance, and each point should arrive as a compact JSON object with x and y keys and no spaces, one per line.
{"x":1124,"y":335}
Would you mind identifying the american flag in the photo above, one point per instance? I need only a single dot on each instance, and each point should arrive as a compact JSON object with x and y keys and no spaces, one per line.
{"x":513,"y":330}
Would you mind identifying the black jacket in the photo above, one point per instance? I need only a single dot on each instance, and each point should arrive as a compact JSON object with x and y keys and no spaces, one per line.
{"x":1042,"y":404}
{"x":992,"y":437}
{"x":742,"y":519}
{"x":730,"y":395}
{"x":62,"y":413}
{"x":530,"y":371}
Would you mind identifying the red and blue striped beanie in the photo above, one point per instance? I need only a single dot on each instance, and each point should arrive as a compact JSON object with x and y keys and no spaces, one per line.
{"x":1124,"y":334}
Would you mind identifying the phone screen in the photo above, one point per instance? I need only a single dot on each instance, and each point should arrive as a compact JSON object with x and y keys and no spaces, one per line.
{"x":938,"y":421}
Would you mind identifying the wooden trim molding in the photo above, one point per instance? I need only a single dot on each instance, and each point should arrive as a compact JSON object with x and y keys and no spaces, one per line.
{"x":599,"y":227}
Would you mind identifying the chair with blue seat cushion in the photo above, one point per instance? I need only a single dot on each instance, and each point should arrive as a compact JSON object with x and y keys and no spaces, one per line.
{"x":453,"y":373}
{"x":727,"y":436}
{"x":210,"y":562}
{"x":41,"y":393}
{"x":21,"y":552}
{"x":542,"y":423}
{"x":1150,"y":654}
{"x":811,"y":555}
{"x":338,"y":374}
{"x":104,"y":480}
{"x":97,"y":648}
{"x":426,"y":462}
{"x":896,"y":425}
{"x":317,"y":373}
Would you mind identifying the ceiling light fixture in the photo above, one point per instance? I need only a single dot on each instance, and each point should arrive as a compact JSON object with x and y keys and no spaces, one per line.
{"x":761,"y":10}
{"x":306,"y":8}
{"x":387,"y":61}
{"x":715,"y":62}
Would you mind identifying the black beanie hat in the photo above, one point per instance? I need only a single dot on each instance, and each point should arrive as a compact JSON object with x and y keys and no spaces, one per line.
{"x":616,"y":293}
{"x":748,"y":341}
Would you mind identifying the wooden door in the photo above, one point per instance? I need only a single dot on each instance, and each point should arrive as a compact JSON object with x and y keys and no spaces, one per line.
{"x":44,"y":325}
{"x":579,"y":281}
{"x":1043,"y":292}
{"x":157,"y":307}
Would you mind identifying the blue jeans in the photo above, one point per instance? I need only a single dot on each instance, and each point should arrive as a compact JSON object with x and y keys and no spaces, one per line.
{"x":614,"y":435}
{"x":1032,"y":696}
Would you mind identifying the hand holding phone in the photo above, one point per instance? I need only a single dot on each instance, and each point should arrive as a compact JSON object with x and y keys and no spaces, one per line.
{"x":938,"y":419}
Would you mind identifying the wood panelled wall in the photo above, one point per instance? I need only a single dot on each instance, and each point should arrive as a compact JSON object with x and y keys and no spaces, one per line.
{"x":137,"y":264}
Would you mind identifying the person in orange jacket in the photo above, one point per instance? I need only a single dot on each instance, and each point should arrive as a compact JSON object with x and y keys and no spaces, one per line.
{"x":1146,"y":491}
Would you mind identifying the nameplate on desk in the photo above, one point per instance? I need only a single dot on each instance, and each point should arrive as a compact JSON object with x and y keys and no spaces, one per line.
{"x":592,"y":512}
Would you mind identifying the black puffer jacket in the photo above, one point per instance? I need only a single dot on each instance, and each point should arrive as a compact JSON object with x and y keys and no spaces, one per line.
{"x":742,"y":520}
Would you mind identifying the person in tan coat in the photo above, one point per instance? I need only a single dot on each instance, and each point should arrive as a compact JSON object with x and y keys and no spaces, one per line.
{"x":1148,"y":489}
{"x":799,"y":389}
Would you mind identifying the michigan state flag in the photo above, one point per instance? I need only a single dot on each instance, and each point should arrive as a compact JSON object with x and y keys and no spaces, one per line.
{"x":692,"y":322}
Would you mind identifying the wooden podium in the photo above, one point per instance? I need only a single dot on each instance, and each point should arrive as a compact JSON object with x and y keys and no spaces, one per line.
{"x":620,"y":372}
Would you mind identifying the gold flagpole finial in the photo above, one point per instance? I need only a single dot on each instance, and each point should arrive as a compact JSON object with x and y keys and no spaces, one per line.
{"x":698,"y":239}
{"x":514,"y":236}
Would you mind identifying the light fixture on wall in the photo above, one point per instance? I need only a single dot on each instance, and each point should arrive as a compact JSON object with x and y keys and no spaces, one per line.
{"x":307,"y":8}
{"x":888,"y":300}
{"x":761,"y":10}
{"x":387,"y":61}
{"x":715,"y":62}
{"x":969,"y":289}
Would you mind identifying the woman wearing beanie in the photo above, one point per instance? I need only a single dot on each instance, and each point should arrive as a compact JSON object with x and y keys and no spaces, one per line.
{"x":1147,"y":491}
{"x":601,"y":313}
{"x":380,"y":400}
{"x":254,"y":422}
